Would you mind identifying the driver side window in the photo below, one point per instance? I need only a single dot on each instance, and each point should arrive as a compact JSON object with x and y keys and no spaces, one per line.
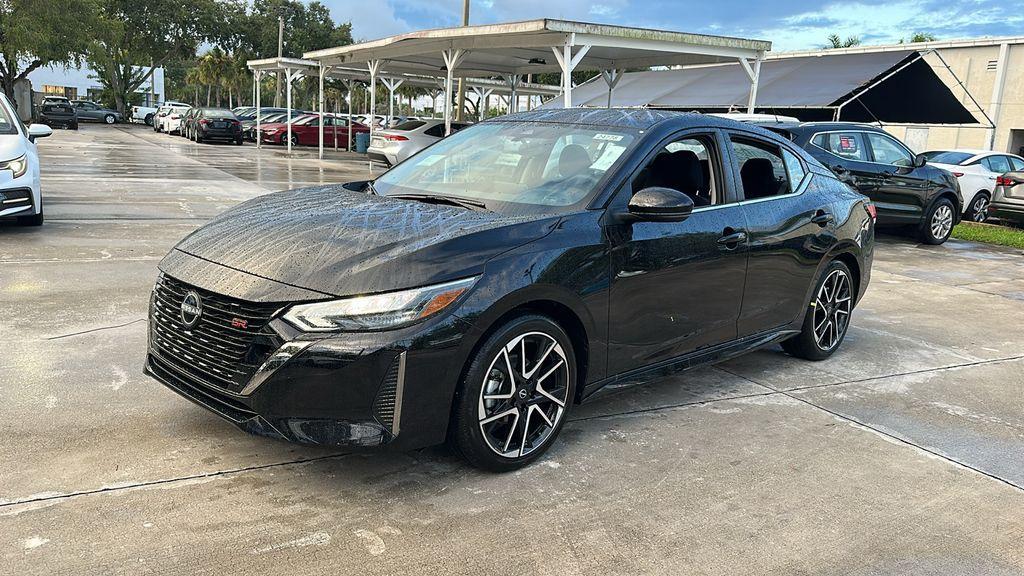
{"x":687,"y":165}
{"x":887,"y":151}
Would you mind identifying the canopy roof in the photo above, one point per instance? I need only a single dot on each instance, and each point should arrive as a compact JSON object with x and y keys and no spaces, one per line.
{"x":525,"y":48}
{"x":863,"y":87}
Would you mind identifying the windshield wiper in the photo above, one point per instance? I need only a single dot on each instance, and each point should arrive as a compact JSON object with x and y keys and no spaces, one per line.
{"x":452,"y":200}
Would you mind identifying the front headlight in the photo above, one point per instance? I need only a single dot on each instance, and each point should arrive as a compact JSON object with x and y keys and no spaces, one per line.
{"x":18,"y":166}
{"x":379,"y":311}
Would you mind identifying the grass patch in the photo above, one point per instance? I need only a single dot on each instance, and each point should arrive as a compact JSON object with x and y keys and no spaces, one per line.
{"x":990,"y":234}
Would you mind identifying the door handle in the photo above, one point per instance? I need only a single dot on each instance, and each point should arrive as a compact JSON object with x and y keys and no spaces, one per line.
{"x":731,"y":239}
{"x":822,"y":218}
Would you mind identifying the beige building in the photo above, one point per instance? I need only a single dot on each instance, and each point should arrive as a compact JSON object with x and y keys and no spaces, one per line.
{"x":991,"y":69}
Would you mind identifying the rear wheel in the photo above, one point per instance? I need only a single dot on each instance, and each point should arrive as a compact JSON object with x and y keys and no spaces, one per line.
{"x":149,"y":119}
{"x":109,"y":119}
{"x":978,"y":210}
{"x":516,"y":394}
{"x":828,"y":315}
{"x":938,"y":223}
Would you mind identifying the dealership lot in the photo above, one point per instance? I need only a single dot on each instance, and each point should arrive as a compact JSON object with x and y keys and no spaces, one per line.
{"x":904,"y":453}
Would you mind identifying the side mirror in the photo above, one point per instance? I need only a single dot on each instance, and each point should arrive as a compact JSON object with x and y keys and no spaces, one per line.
{"x":920,"y":160}
{"x":38,"y":131}
{"x":658,"y":204}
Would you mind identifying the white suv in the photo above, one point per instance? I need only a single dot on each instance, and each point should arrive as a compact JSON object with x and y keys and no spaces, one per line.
{"x":20,"y":197}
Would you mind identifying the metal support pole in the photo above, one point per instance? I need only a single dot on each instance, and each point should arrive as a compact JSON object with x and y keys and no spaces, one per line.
{"x":611,"y":78}
{"x":348,"y":101}
{"x":568,"y":62}
{"x":288,"y":99}
{"x":258,"y":74}
{"x":391,"y":84}
{"x":323,"y":71}
{"x":754,"y":73}
{"x":513,"y":81}
{"x":452,"y":59}
{"x":373,"y":66}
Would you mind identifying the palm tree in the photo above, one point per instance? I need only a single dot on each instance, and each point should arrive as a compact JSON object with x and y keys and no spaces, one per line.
{"x":193,"y":78}
{"x":834,"y":41}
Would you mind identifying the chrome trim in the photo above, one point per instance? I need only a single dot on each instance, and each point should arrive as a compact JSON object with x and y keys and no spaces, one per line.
{"x":396,"y":420}
{"x":804,"y":184}
{"x":275,"y":361}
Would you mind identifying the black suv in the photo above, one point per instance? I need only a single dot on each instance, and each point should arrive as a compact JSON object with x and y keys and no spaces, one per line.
{"x":903,"y":187}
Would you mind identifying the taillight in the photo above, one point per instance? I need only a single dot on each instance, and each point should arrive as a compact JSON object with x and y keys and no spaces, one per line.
{"x":1004,"y":181}
{"x":395,"y":138}
{"x":958,"y":174}
{"x":872,"y":211}
{"x":204,"y":121}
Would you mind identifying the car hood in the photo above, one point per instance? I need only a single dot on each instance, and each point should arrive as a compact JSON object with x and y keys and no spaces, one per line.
{"x":11,"y":146}
{"x":335,"y":242}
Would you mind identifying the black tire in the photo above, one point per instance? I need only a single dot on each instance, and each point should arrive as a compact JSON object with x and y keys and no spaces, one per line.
{"x":33,"y":220}
{"x":532,"y":404}
{"x":109,"y":119}
{"x":815,"y":341}
{"x":938,"y":223}
{"x":978,"y":210}
{"x":74,"y":126}
{"x":148,"y":120}
{"x":238,"y":141}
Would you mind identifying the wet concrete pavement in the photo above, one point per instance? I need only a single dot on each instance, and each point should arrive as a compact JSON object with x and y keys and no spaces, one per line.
{"x":904,"y":453}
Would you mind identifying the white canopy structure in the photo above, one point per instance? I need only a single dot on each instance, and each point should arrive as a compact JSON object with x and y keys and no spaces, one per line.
{"x":291,"y":69}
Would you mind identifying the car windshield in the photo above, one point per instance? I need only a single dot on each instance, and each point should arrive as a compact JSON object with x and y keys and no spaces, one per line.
{"x":523,"y":167}
{"x":947,"y":156}
{"x":7,"y":121}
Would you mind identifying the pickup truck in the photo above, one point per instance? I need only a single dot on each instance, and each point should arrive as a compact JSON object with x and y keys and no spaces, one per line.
{"x":146,"y":114}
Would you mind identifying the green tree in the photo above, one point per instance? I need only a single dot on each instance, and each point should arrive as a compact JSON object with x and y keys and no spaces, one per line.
{"x":133,"y":37}
{"x":36,"y":33}
{"x":834,"y":41}
{"x":920,"y":37}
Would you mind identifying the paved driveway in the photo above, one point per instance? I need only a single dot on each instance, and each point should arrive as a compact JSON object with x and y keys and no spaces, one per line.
{"x":903,"y":454}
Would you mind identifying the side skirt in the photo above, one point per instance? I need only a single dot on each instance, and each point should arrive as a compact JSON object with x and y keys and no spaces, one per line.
{"x":705,"y":356}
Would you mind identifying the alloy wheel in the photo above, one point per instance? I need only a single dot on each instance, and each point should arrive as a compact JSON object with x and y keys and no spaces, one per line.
{"x":979,"y":210}
{"x":832,"y":310}
{"x":524,"y":394}
{"x":942,"y":221}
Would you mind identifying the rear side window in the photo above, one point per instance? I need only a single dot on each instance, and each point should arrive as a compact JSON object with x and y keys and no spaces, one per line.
{"x":849,"y":145}
{"x":436,"y":131}
{"x":762,"y":169}
{"x":998,"y":164}
{"x":794,"y":168}
{"x":1017,"y":163}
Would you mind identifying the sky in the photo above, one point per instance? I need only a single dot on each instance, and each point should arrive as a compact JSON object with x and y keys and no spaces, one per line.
{"x":789,"y":24}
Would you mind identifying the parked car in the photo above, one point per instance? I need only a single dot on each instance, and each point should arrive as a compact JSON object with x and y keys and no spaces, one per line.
{"x":147,"y":114}
{"x":185,"y":125}
{"x":267,"y":116}
{"x":976,"y":171}
{"x":306,"y":130}
{"x":56,"y":114}
{"x":93,"y":112}
{"x":905,"y":190}
{"x":171,"y":123}
{"x":216,"y":124}
{"x":479,"y":291}
{"x":20,"y":194}
{"x":1008,"y":200}
{"x":393,"y":145}
{"x":166,"y":110}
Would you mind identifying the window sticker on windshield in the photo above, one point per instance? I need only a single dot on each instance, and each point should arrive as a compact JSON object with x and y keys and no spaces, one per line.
{"x":431,"y":160}
{"x":610,"y":155}
{"x":508,"y":159}
{"x":608,"y":137}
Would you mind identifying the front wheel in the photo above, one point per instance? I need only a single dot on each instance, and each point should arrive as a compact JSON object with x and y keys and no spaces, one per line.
{"x":109,"y":119}
{"x":938,"y":223}
{"x":978,"y":210}
{"x":828,"y":315}
{"x":516,"y":394}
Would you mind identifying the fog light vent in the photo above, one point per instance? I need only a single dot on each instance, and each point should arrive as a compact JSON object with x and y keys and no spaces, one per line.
{"x":387,"y":406}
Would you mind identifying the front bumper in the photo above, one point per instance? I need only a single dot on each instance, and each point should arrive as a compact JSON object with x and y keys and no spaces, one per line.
{"x":353,"y":390}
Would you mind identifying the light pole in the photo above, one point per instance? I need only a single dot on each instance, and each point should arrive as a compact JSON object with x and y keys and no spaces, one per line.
{"x":462,"y":87}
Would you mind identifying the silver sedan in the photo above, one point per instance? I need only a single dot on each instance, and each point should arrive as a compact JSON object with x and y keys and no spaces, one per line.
{"x":394,"y":145}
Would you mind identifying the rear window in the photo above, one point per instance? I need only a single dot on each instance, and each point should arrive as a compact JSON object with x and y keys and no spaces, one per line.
{"x":218,"y":113}
{"x":409,"y":125}
{"x":947,"y":156}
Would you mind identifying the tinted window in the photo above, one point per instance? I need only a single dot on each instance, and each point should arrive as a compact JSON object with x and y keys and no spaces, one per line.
{"x":947,"y":157}
{"x":849,"y":145}
{"x":436,"y":131}
{"x":762,"y":169}
{"x":998,"y":164}
{"x":7,"y":121}
{"x":1017,"y":163}
{"x":410,"y":125}
{"x":217,"y":113}
{"x":687,"y":165}
{"x":886,"y":150}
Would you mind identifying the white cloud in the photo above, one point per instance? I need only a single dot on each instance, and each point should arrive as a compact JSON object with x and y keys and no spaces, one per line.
{"x":370,"y":20}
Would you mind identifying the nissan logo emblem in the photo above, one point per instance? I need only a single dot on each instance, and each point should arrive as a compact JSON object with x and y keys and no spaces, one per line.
{"x":191,"y":309}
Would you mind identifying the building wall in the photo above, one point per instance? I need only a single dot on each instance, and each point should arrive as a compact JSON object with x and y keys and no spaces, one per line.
{"x":976,"y":67}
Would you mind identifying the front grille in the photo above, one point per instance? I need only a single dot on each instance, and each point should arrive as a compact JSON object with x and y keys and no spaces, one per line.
{"x":221,"y":350}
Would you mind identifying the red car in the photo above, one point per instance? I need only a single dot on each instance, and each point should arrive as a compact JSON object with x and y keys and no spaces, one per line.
{"x":306,"y":131}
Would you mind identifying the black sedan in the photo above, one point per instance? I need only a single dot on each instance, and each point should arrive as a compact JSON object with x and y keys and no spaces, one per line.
{"x":481,"y":288}
{"x":905,"y":189}
{"x":214,"y":124}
